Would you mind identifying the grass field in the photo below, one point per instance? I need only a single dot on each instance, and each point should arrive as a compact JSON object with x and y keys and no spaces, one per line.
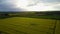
{"x":25,"y":25}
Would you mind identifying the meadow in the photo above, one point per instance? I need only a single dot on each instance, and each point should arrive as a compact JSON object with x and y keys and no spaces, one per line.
{"x":29,"y":22}
{"x":25,"y":25}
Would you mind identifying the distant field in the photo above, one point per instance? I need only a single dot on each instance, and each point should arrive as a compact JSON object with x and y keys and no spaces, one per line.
{"x":24,"y":25}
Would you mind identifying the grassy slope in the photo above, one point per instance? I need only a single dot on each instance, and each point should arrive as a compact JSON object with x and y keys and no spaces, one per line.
{"x":23,"y":25}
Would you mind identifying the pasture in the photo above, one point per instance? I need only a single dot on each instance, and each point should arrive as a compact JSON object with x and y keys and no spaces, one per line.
{"x":25,"y":25}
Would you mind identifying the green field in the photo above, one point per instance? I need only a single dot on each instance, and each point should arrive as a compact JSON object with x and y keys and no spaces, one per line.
{"x":25,"y":25}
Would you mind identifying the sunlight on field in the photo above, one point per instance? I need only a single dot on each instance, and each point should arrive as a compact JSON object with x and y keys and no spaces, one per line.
{"x":23,"y":25}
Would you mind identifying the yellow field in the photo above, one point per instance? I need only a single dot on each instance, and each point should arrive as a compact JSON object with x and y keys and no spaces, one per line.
{"x":23,"y":25}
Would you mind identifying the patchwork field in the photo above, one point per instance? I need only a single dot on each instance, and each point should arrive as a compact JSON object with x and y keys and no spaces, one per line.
{"x":23,"y":25}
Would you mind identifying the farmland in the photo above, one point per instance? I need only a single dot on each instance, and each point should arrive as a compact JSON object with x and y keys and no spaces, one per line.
{"x":23,"y":25}
{"x":29,"y":23}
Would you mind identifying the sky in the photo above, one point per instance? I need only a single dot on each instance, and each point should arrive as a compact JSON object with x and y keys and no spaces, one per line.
{"x":29,"y":5}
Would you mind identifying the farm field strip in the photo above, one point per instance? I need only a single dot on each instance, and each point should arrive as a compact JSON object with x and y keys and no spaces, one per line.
{"x":26,"y":25}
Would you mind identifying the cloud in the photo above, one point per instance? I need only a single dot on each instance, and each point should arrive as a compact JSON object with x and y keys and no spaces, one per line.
{"x":57,"y":6}
{"x":29,"y":5}
{"x":45,"y":5}
{"x":50,"y":1}
{"x":6,"y":5}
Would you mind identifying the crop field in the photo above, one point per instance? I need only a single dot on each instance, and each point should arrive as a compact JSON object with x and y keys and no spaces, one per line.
{"x":25,"y":25}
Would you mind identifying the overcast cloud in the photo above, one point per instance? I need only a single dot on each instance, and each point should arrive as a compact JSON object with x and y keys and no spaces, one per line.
{"x":29,"y":5}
